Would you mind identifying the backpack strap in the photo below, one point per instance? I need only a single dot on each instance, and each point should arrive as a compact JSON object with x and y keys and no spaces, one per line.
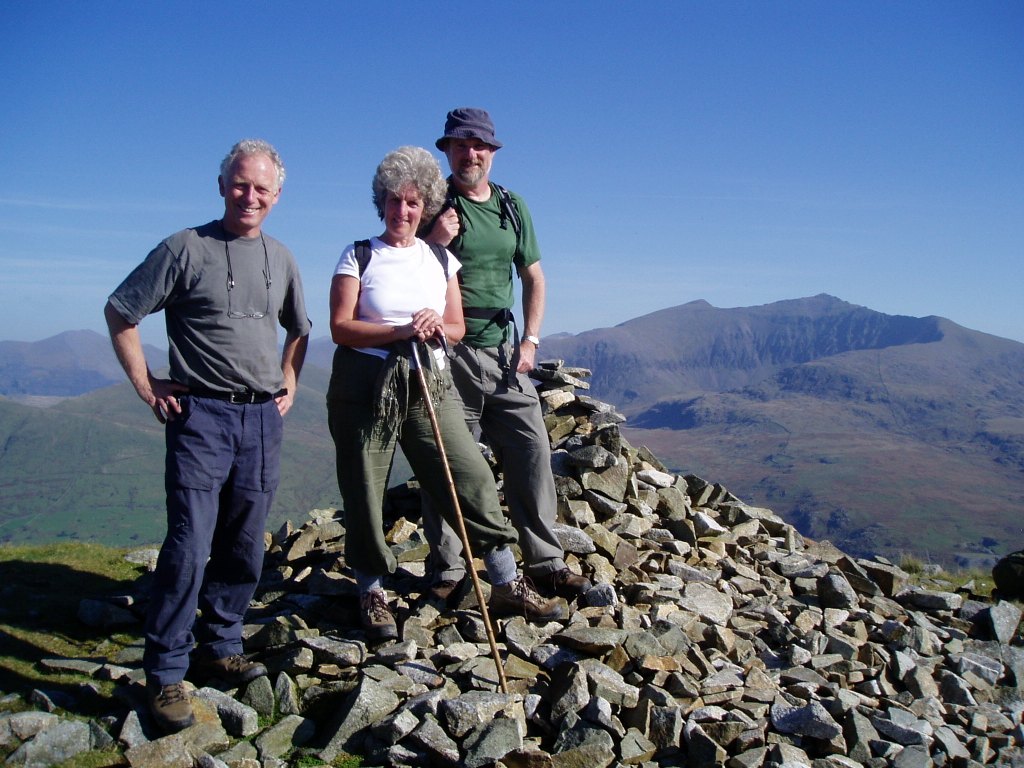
{"x":364,"y":252}
{"x":441,"y":254}
{"x":509,"y":212}
{"x":510,"y":215}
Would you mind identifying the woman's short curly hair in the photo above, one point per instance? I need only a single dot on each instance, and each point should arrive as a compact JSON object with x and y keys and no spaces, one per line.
{"x":410,"y":166}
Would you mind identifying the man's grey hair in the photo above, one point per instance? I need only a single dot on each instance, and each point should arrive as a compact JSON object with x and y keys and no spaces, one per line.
{"x":247,"y":147}
{"x":415,"y":167}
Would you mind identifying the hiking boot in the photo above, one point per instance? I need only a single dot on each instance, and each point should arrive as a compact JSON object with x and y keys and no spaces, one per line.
{"x":231,"y":669}
{"x":376,"y":617}
{"x":170,"y":706}
{"x":448,"y":591}
{"x":565,"y":583}
{"x":519,"y":598}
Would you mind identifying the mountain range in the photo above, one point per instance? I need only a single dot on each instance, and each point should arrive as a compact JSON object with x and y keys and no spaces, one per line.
{"x":886,"y":434}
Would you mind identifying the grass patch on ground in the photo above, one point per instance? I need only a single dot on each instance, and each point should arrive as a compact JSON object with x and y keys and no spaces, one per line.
{"x":979,"y":584}
{"x":40,"y":591}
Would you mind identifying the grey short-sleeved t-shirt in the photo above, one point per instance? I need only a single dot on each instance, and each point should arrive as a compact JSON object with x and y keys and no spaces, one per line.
{"x":219,"y":339}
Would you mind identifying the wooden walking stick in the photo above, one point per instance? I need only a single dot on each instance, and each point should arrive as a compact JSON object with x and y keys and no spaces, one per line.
{"x":458,"y":515}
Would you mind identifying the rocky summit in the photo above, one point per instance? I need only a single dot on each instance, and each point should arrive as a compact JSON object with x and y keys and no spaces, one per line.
{"x":714,"y":634}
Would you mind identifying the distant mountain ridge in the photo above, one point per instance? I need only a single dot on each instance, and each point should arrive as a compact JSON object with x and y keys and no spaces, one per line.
{"x":68,"y":364}
{"x":883,"y":433}
{"x":930,"y":378}
{"x":694,"y":348}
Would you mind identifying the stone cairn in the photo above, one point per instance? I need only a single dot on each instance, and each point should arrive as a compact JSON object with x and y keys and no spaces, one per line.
{"x":714,"y":635}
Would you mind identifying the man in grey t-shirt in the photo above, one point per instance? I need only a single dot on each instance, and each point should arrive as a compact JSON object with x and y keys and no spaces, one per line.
{"x":224,"y":287}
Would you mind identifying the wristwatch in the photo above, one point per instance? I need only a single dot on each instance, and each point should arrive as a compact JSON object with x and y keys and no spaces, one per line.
{"x":533,"y":340}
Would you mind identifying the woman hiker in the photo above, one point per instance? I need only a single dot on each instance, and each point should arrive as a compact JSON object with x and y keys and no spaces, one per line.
{"x":388,"y":293}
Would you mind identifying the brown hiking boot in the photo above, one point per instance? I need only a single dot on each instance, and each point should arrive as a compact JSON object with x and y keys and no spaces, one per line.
{"x":564,"y":583}
{"x":519,"y":598}
{"x":448,"y":591}
{"x":375,"y":616}
{"x":231,"y":669}
{"x":170,"y":706}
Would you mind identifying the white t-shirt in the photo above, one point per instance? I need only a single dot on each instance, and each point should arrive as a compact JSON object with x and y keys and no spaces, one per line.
{"x":397,"y":282}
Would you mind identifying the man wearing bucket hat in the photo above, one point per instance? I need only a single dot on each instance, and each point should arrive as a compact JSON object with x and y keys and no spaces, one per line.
{"x":491,"y":232}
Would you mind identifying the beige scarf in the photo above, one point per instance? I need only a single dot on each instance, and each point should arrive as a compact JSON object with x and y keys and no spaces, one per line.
{"x":394,"y":388}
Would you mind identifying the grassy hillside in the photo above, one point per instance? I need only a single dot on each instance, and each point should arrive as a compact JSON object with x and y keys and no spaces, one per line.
{"x":91,"y":468}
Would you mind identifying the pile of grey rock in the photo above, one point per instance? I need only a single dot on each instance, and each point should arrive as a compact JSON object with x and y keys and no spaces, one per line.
{"x":714,"y":635}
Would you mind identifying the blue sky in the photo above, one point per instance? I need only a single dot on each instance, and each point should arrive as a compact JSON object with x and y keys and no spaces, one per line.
{"x":738,"y":152}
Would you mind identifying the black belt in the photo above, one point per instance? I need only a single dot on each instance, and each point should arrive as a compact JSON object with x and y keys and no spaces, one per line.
{"x":239,"y":398}
{"x":502,"y":316}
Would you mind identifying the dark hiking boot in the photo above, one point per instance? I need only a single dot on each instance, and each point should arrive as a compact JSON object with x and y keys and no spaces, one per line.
{"x":564,"y":583}
{"x":376,"y":617}
{"x":170,"y":706}
{"x":443,"y":590}
{"x":447,"y":592}
{"x":231,"y":669}
{"x":519,"y":598}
